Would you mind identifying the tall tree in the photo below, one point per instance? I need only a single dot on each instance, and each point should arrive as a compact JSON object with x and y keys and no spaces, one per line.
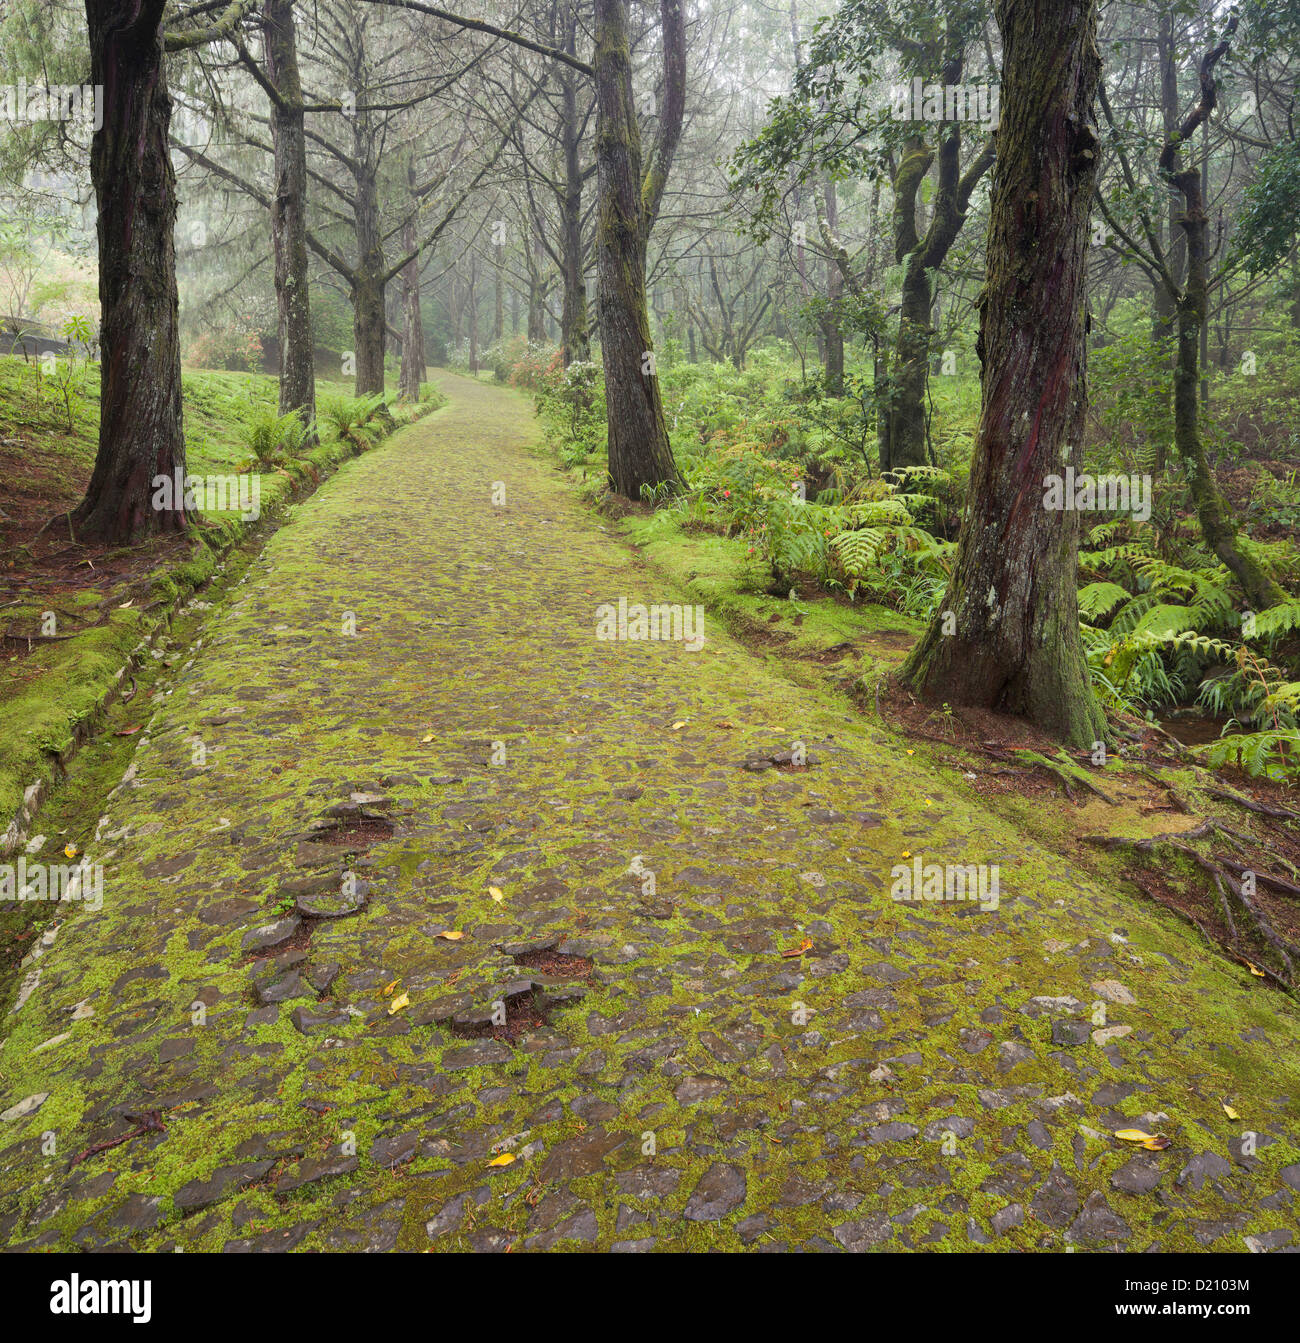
{"x":1189,"y":299}
{"x":640,"y":456}
{"x":1007,"y":635}
{"x":289,"y":211}
{"x":140,"y":428}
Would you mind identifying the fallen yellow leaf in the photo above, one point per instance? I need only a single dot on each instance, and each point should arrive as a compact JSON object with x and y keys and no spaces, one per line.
{"x":677,"y":727}
{"x":1156,"y":1144}
{"x":503,"y":1160}
{"x":799,"y":950}
{"x":1229,"y":1111}
{"x":1134,"y":1135}
{"x":453,"y":936}
{"x":1254,"y":969}
{"x":496,"y":893}
{"x":425,"y":740}
{"x":401,"y":1001}
{"x":70,"y":850}
{"x":387,"y":990}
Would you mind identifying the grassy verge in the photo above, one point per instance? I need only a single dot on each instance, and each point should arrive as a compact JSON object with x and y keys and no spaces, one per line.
{"x":73,"y":619}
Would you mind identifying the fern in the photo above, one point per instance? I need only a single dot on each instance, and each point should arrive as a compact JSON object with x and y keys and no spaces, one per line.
{"x":1280,"y":619}
{"x":1100,"y":599}
{"x":348,"y":416}
{"x":1263,"y":755}
{"x":272,"y":438}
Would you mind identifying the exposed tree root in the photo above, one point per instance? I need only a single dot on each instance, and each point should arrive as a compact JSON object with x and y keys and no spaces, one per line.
{"x":1263,"y":808}
{"x":1066,"y":772}
{"x":1225,"y":875}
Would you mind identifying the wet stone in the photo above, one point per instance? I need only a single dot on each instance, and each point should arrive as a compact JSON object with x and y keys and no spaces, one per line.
{"x":334,"y":904}
{"x":311,"y":1023}
{"x":721,"y":1190}
{"x":893,"y":1132}
{"x":322,"y":978}
{"x":394,"y":1150}
{"x":1056,"y":1204}
{"x":137,"y":1212}
{"x":1266,"y":1241}
{"x":1098,"y":1222}
{"x":1069,"y":1034}
{"x":1205,"y":1166}
{"x":279,"y":986}
{"x":271,"y":934}
{"x":864,"y":1234}
{"x":477,"y":1055}
{"x":222,"y":1183}
{"x":313,"y":1169}
{"x":581,"y":1226}
{"x":582,"y":1155}
{"x":696,"y":1089}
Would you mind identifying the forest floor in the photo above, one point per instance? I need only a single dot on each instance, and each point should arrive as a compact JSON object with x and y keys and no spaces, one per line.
{"x":470,"y":930}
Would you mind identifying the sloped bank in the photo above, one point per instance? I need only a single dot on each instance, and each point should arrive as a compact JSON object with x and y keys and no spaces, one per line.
{"x":44,"y":727}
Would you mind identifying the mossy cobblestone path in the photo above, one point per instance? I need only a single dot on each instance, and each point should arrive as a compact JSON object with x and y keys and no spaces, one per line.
{"x":268,"y":1009}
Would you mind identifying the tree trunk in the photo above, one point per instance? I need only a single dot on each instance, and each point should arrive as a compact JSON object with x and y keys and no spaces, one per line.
{"x":639,"y":453}
{"x":1007,"y":638}
{"x":499,"y":314}
{"x":834,"y":335}
{"x":369,"y":329}
{"x":473,"y":316}
{"x":905,"y":408}
{"x":368,"y":320}
{"x":536,"y":293}
{"x":140,"y":429}
{"x":575,"y":337}
{"x":289,"y":214}
{"x":1212,"y":511}
{"x":413,"y":359}
{"x":911,"y":372}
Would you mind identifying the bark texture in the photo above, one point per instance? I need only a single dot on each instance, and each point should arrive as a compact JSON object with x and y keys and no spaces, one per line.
{"x":1011,"y":642}
{"x":289,"y":213}
{"x":140,"y":431}
{"x":639,"y":453}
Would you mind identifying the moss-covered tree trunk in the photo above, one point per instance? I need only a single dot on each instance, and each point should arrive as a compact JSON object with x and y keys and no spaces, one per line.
{"x":472,"y":315}
{"x":1007,"y":635}
{"x":140,"y":430}
{"x":639,"y":453}
{"x":369,"y":320}
{"x":575,"y":336}
{"x":910,"y":375}
{"x":1212,"y":510}
{"x":289,"y":213}
{"x":908,"y":440}
{"x":833,"y":333}
{"x":413,"y":356}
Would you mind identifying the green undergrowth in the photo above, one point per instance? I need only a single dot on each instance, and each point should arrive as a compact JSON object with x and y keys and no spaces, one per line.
{"x":52,"y":695}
